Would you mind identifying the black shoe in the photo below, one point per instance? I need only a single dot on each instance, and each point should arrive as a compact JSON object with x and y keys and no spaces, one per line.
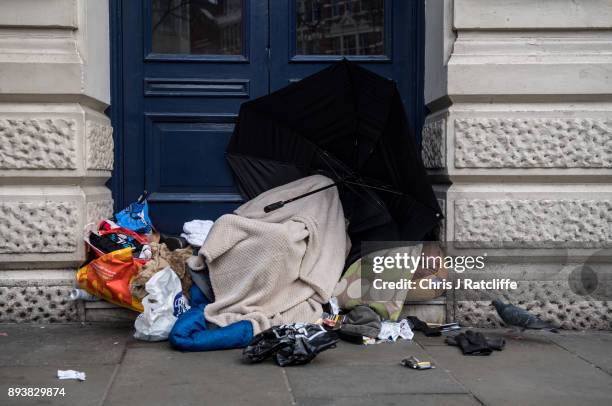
{"x":173,"y":242}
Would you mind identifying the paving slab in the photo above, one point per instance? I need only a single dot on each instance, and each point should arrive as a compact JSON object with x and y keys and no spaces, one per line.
{"x":425,"y":341}
{"x":161,"y":376}
{"x":359,"y":380}
{"x":388,"y":353}
{"x":533,"y":371}
{"x":368,"y":370}
{"x":392,"y":400}
{"x":595,"y":347}
{"x":89,"y":392}
{"x":68,"y":345}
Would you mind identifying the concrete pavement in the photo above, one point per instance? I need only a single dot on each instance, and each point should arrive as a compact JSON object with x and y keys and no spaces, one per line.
{"x":566,"y":369}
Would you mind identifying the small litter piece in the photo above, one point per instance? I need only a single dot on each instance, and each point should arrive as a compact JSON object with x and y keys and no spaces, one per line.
{"x":333,"y":303}
{"x":3,"y":334}
{"x":369,"y":340}
{"x":415,"y":363}
{"x":71,"y":374}
{"x":81,"y":294}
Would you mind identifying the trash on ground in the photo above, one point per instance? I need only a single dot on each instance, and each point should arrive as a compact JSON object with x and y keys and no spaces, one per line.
{"x":71,"y":374}
{"x":335,"y":307}
{"x":332,"y":321}
{"x":415,"y":363}
{"x":289,"y":344}
{"x":163,"y":304}
{"x":475,"y":343}
{"x":81,"y":294}
{"x":391,"y":331}
{"x":3,"y":334}
{"x":369,"y":340}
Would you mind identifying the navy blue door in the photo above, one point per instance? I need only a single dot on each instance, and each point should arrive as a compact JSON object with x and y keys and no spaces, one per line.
{"x":185,"y":66}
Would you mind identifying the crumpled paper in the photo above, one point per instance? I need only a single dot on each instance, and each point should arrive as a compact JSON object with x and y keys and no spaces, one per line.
{"x":390,"y":330}
{"x":71,"y":374}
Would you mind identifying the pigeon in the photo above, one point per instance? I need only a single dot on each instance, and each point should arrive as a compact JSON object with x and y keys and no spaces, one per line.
{"x":515,"y":316}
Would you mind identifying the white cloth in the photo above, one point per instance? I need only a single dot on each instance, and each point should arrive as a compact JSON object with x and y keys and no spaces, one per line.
{"x":196,"y":231}
{"x":278,"y":267}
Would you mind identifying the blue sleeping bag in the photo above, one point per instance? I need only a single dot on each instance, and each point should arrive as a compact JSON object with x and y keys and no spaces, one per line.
{"x":190,"y":332}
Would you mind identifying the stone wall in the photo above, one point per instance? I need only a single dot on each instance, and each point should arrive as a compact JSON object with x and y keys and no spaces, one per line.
{"x":520,"y":141}
{"x":56,"y":150}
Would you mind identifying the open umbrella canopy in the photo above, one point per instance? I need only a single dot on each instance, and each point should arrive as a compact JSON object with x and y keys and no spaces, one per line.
{"x":349,"y":124}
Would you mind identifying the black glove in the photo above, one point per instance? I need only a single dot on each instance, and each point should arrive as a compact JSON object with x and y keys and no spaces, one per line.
{"x":496,"y":343}
{"x":471,"y":343}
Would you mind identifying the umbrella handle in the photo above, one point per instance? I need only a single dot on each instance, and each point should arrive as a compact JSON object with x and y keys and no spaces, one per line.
{"x":274,"y":206}
{"x":278,"y":205}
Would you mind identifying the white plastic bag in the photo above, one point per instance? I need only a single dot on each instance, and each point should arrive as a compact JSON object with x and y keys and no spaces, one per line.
{"x":392,"y":331}
{"x":159,"y":316}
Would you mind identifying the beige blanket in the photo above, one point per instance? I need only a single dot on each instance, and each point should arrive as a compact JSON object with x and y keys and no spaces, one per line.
{"x":279,"y":267}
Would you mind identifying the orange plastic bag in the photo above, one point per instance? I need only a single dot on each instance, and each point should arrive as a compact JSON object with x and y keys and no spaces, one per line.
{"x":108,"y":277}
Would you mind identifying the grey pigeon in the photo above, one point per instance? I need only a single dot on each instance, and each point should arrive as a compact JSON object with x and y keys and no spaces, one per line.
{"x":515,"y":316}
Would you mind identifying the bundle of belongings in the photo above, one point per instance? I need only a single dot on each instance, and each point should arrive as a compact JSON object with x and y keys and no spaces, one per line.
{"x":269,"y":269}
{"x":279,"y":275}
{"x":260,"y":280}
{"x":132,"y":265}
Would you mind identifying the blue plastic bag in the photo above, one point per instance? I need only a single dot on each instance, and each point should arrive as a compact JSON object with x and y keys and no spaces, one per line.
{"x":135,"y":217}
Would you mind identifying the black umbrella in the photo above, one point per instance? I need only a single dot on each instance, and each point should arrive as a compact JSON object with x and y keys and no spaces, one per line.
{"x":349,"y":124}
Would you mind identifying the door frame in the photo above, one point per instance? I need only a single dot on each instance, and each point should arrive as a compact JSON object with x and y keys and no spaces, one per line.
{"x":116,"y":108}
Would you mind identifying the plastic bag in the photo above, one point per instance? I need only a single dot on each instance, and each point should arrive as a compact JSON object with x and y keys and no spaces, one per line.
{"x":289,"y":344}
{"x":135,"y":217}
{"x":163,"y":304}
{"x":108,"y":277}
{"x":390,"y":330}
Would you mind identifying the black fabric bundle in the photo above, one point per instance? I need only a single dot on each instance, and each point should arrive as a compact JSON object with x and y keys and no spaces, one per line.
{"x":474,"y":343}
{"x":418,"y":325}
{"x":289,"y":344}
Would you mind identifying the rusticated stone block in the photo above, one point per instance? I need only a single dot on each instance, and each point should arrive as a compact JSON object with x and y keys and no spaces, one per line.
{"x":37,"y":143}
{"x":433,"y":151}
{"x":572,"y":222}
{"x":568,"y":314}
{"x":99,"y":210}
{"x":533,"y":143}
{"x":99,"y":146}
{"x":32,"y":227}
{"x":42,"y":304}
